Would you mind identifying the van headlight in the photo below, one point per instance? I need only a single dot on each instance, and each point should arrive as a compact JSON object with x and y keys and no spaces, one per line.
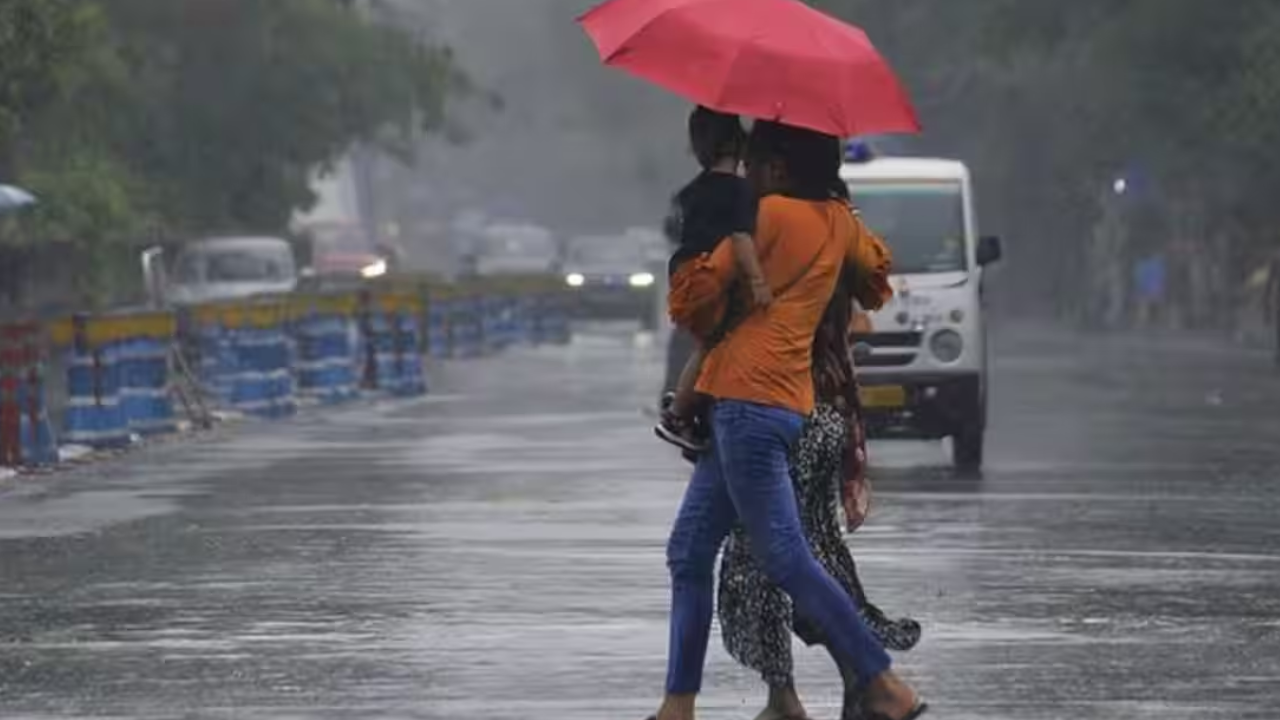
{"x":574,"y":280}
{"x":641,"y":280}
{"x":946,"y":345}
{"x":374,"y":270}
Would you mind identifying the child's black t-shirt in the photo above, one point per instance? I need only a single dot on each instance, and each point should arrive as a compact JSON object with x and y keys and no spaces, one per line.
{"x":709,"y":209}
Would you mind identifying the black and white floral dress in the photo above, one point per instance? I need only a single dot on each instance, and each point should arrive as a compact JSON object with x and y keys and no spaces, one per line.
{"x":756,"y":617}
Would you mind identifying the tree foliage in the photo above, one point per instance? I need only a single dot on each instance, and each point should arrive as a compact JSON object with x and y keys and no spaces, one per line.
{"x":1051,"y":101}
{"x":133,"y":119}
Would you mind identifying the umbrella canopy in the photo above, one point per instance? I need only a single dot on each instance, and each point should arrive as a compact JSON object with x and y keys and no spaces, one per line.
{"x":769,"y":59}
{"x":12,"y":198}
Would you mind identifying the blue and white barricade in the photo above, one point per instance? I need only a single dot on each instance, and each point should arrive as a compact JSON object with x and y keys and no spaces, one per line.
{"x":553,"y":319}
{"x":94,"y":416}
{"x":410,"y":378}
{"x":526,"y":319}
{"x":492,"y":327}
{"x":468,"y":327}
{"x":326,"y":365}
{"x":261,"y":381}
{"x":145,"y":400}
{"x":397,"y":357}
{"x":246,"y":357}
{"x":217,"y":363}
{"x":440,"y":328}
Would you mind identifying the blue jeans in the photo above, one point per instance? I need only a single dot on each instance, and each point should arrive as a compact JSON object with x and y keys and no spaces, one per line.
{"x":746,"y":476}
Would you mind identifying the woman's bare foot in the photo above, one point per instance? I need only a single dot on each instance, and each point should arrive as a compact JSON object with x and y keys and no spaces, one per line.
{"x":888,"y":696}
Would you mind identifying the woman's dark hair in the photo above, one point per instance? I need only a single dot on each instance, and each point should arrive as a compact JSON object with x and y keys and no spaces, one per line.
{"x":812,"y":159}
{"x":833,"y":370}
{"x":715,"y":136}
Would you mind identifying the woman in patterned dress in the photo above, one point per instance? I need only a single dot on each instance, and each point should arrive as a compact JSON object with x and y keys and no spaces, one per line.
{"x":827,"y":467}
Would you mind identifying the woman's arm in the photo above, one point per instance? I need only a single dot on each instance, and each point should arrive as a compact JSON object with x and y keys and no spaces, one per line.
{"x":871,"y":262}
{"x":699,"y":294}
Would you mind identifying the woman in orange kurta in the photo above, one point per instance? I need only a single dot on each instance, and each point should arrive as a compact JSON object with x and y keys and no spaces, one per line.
{"x":759,"y":377}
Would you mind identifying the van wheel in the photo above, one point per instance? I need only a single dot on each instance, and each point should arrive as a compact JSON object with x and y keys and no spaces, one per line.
{"x":967,"y":447}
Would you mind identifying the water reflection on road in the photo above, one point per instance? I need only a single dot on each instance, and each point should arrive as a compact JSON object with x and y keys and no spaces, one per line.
{"x":495,"y":551}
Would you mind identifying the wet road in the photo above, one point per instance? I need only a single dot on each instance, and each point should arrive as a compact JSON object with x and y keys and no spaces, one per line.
{"x":495,"y":551}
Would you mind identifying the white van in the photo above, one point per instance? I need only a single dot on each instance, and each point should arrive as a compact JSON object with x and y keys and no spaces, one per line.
{"x":223,"y":268}
{"x":923,"y":366}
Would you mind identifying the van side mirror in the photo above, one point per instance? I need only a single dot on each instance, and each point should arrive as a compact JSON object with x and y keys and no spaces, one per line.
{"x":990,"y":250}
{"x":153,"y":276}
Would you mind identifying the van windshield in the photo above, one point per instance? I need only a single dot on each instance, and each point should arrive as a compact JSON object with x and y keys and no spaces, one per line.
{"x":922,"y":222}
{"x":234,"y":265}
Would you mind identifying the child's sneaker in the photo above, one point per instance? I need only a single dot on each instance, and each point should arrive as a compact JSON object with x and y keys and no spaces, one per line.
{"x":678,"y":431}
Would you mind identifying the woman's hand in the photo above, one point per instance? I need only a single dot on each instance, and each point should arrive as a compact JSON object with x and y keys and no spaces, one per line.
{"x":857,"y":504}
{"x":856,"y":492}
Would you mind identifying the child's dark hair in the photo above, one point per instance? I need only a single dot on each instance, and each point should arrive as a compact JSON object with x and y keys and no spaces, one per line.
{"x":812,"y":159}
{"x":715,"y":136}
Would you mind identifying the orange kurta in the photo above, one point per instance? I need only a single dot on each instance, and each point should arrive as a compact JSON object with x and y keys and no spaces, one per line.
{"x":767,"y":358}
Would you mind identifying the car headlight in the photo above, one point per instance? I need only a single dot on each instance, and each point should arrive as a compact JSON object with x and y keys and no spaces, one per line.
{"x":574,"y":280}
{"x":373,"y":270}
{"x":946,"y":346}
{"x":642,"y":280}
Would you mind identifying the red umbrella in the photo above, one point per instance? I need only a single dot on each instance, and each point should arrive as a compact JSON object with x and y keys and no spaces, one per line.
{"x":772,"y":59}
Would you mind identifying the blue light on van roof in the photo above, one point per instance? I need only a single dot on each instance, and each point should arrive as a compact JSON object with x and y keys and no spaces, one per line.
{"x":859,"y":151}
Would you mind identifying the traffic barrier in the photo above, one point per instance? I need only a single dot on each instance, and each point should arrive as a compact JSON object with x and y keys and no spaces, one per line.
{"x":325,"y":334}
{"x":142,"y":356}
{"x":393,"y":360}
{"x":553,"y":319}
{"x":94,"y":416}
{"x":255,"y":356}
{"x":468,"y":327}
{"x":248,"y":357}
{"x":510,"y":323}
{"x":526,"y":319}
{"x":440,"y":327}
{"x":26,"y":434}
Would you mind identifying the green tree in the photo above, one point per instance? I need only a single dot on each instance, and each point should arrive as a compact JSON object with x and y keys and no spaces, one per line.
{"x":1049,"y":101}
{"x":136,"y":120}
{"x":42,"y":42}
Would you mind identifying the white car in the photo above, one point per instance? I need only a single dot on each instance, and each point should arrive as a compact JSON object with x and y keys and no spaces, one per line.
{"x":615,"y":277}
{"x":926,"y":375}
